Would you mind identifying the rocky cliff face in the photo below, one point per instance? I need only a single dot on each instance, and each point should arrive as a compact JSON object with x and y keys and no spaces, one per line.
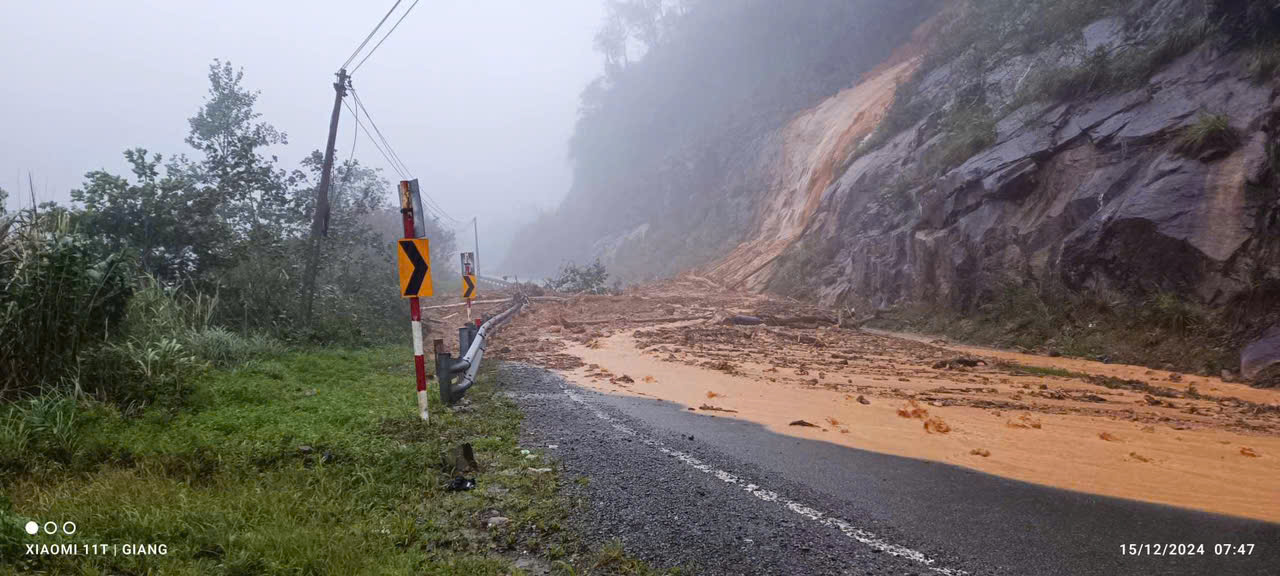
{"x":1091,"y":192}
{"x":1123,"y":150}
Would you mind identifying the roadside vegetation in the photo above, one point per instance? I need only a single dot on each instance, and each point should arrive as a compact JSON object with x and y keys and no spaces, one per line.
{"x":159,"y":384}
{"x":1161,"y":331}
{"x":145,"y":281}
{"x":590,"y":279}
{"x":308,"y":462}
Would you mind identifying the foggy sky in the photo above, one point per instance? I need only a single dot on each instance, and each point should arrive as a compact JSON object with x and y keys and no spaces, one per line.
{"x":478,"y":97}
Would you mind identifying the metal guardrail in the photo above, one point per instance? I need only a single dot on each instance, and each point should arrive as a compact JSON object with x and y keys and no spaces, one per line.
{"x":498,"y":283}
{"x":472,"y":339}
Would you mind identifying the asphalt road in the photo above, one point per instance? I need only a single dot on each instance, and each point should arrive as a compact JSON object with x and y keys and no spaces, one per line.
{"x":714,"y":495}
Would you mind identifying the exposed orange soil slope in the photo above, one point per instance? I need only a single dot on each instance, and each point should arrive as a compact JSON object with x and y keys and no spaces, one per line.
{"x":814,"y":145}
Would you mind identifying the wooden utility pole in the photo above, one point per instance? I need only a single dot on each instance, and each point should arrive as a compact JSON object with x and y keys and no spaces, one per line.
{"x":320,"y":215}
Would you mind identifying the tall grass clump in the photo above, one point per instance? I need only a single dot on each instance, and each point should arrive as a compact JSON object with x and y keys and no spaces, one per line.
{"x":60,"y":294}
{"x":225,"y":349}
{"x":76,"y":318}
{"x":1263,"y":62}
{"x":1211,"y":133}
{"x":969,"y":128}
{"x":167,"y":341}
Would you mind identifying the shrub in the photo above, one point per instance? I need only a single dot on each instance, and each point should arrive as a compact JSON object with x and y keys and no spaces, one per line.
{"x":969,"y":130}
{"x":225,"y":349}
{"x":1251,"y":21}
{"x":61,"y":294}
{"x":1166,"y":310}
{"x":158,"y":310}
{"x":1211,"y":134}
{"x":1103,"y":71}
{"x":591,"y":279}
{"x":166,"y":342}
{"x":136,"y":373}
{"x":1263,"y":62}
{"x":12,"y":534}
{"x":1097,"y":73}
{"x":46,"y":427}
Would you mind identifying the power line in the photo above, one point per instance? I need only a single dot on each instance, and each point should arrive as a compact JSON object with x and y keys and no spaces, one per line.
{"x":395,"y":158}
{"x":356,"y":96}
{"x":384,"y":37}
{"x":355,"y":133}
{"x":430,"y":205}
{"x":370,"y":36}
{"x":374,"y":140}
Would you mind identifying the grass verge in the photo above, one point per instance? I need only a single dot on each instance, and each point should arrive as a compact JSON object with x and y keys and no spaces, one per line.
{"x":306,"y":463}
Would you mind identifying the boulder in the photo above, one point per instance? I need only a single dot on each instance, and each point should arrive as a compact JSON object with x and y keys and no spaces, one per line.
{"x":1260,"y":354}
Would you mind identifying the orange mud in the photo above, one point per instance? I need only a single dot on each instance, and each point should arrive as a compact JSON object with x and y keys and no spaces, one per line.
{"x":1124,"y":431}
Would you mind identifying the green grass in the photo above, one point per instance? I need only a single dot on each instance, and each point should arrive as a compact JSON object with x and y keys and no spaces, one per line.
{"x":1161,"y":331}
{"x":309,"y":463}
{"x":1210,"y":133}
{"x":1263,"y":62}
{"x":1027,"y":370}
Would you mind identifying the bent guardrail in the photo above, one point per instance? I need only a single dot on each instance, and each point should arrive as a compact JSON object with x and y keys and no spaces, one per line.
{"x":471,"y":338}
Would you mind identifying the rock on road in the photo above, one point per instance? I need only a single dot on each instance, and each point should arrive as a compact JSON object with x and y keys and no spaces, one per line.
{"x":719,"y":496}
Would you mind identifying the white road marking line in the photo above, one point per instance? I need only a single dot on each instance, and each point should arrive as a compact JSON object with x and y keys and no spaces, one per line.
{"x":849,"y":530}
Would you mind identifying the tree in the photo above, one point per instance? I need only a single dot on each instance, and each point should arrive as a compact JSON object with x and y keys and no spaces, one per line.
{"x":251,"y":191}
{"x":611,"y":42}
{"x":233,"y":223}
{"x":144,"y":215}
{"x":590,"y":279}
{"x":200,"y":217}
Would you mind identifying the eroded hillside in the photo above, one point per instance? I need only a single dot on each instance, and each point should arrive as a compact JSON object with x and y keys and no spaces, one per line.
{"x":1067,"y":156}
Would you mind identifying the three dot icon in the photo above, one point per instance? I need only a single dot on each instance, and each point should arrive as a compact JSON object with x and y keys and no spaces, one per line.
{"x":33,"y":528}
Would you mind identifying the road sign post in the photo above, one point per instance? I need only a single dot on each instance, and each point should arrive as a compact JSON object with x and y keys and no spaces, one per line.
{"x":468,"y":280}
{"x":415,"y":280}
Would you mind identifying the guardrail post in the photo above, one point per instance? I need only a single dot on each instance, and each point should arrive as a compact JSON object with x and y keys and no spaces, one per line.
{"x":464,"y":339}
{"x":471,"y":345}
{"x":444,"y":372}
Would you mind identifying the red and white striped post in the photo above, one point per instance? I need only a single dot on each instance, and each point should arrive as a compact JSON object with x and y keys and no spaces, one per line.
{"x":415,"y":311}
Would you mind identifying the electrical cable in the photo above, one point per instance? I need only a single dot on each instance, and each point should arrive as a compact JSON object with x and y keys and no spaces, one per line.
{"x":384,"y":37}
{"x":374,"y":140}
{"x":359,"y":104}
{"x":430,"y":206}
{"x":429,"y":202}
{"x":355,"y":132}
{"x":370,"y":36}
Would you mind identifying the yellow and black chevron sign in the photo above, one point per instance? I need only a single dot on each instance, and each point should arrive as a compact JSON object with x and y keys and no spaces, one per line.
{"x":469,"y":286}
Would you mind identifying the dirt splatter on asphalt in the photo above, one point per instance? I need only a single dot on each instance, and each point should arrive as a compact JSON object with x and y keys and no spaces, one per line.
{"x":1126,"y":431}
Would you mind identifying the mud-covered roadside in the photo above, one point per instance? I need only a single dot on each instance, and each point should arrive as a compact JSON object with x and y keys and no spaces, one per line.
{"x":1125,"y":431}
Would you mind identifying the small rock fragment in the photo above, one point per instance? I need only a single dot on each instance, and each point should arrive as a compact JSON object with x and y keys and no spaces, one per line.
{"x":936,"y":425}
{"x":496,"y":521}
